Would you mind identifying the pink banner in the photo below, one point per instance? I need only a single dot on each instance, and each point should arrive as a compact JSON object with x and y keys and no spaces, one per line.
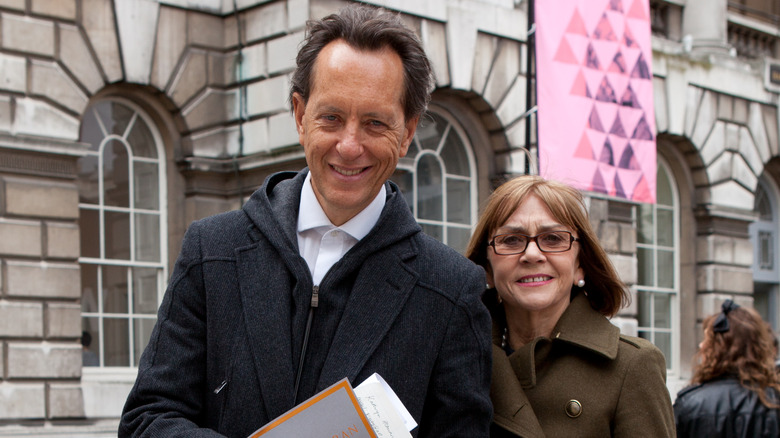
{"x":595,"y":96}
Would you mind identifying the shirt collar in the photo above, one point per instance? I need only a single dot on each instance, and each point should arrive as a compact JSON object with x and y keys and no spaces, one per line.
{"x":315,"y":217}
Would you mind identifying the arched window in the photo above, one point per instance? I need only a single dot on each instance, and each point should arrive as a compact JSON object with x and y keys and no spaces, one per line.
{"x":763,"y":235}
{"x":658,"y":284}
{"x":437,"y":177}
{"x":122,"y":223}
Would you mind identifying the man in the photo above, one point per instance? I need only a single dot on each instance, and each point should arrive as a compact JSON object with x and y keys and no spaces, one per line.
{"x":323,"y":274}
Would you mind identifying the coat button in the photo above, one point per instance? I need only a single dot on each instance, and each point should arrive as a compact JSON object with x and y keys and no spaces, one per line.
{"x":573,"y":408}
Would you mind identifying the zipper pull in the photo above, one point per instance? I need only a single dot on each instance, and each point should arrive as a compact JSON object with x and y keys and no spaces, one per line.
{"x":315,"y":296}
{"x":221,"y":386}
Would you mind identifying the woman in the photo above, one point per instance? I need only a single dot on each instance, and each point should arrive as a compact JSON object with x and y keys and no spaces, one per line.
{"x":735,"y":391}
{"x":560,"y":368}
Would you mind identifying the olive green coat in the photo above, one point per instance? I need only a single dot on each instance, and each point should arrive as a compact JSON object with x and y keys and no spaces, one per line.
{"x":587,"y":381}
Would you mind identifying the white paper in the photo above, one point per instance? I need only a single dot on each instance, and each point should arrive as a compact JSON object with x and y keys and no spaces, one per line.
{"x":385,"y":411}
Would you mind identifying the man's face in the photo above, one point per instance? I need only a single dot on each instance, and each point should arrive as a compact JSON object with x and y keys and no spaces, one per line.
{"x":353,"y":128}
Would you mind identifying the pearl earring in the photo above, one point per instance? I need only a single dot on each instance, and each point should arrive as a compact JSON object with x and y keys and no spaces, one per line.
{"x":581,"y":282}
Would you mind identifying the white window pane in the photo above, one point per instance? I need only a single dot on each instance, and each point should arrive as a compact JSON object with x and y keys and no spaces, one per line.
{"x":454,"y":155}
{"x":664,"y":194}
{"x":141,"y":140}
{"x":665,"y":226}
{"x":89,"y":188}
{"x":429,"y":189}
{"x":115,"y":289}
{"x":116,"y":175}
{"x":645,"y":227}
{"x":90,"y":354}
{"x":146,"y":190}
{"x":145,"y":290}
{"x":142,"y":331}
{"x":147,"y":237}
{"x":117,"y":235}
{"x":89,"y":225}
{"x":458,"y":201}
{"x":89,"y":289}
{"x":666,"y":269}
{"x":458,"y":238}
{"x":645,"y":306}
{"x":664,"y":343}
{"x":646,"y":266}
{"x":431,"y":130}
{"x":116,"y":342}
{"x":663,"y":311}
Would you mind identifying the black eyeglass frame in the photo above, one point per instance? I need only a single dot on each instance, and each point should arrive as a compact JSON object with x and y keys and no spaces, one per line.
{"x":572,"y":239}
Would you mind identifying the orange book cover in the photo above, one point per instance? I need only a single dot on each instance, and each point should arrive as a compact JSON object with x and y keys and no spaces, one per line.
{"x":332,"y":413}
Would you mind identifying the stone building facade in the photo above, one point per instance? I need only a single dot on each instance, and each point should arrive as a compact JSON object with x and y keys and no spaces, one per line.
{"x":121,"y":121}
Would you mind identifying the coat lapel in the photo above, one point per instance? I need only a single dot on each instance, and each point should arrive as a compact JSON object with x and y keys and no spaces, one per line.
{"x":512,"y":410}
{"x":381,"y":289}
{"x":583,"y":326}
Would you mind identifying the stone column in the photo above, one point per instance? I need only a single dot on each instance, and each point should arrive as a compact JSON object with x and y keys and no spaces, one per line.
{"x":724,"y":258}
{"x":704,"y":26}
{"x":40,"y":315}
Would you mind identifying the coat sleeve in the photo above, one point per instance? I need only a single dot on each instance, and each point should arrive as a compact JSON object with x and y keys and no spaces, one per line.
{"x":168,"y":397}
{"x":458,"y":401}
{"x":644,"y":408}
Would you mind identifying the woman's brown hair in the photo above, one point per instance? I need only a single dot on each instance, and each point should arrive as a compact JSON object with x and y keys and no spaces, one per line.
{"x":605,"y":291}
{"x":745,"y":350}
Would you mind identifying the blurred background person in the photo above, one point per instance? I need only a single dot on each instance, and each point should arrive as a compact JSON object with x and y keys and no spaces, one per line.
{"x":560,"y":368}
{"x":735,"y":390}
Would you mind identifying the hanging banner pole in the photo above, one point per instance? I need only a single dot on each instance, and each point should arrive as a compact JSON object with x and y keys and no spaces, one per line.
{"x":530,"y":87}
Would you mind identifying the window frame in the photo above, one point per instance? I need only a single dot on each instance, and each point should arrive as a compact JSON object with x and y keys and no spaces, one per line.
{"x":409,"y":165}
{"x":131,"y":211}
{"x":766,"y":282}
{"x":673,"y":363}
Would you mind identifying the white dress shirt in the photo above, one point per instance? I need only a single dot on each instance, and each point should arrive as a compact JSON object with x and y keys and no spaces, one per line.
{"x":320,"y":242}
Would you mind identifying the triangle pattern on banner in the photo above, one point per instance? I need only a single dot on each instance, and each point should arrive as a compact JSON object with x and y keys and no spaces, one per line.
{"x":598,"y":182}
{"x":580,"y":86}
{"x":619,"y":192}
{"x":592,"y":61}
{"x":577,"y":25}
{"x":629,"y":98}
{"x":604,"y":30}
{"x":617,"y":127}
{"x":628,"y":159}
{"x":637,"y":11}
{"x":616,"y":5}
{"x":594,"y":121}
{"x":641,"y":70}
{"x":607,"y":156}
{"x":584,"y":149}
{"x":605,"y":92}
{"x":618,"y":63}
{"x":565,"y":53}
{"x":642,"y":191}
{"x":628,"y":38}
{"x":642,"y":130}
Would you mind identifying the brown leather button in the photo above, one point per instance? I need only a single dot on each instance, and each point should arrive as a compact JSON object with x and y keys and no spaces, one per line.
{"x":573,"y":408}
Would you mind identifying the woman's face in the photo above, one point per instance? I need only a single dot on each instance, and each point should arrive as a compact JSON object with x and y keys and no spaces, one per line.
{"x":534,"y":281}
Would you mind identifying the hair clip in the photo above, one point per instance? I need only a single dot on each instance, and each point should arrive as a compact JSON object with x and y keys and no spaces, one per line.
{"x":721,"y":323}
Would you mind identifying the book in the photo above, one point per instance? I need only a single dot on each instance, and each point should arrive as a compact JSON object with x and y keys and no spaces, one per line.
{"x":371,"y":410}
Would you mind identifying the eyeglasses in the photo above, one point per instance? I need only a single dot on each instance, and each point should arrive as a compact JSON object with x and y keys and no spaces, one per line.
{"x":516,"y":243}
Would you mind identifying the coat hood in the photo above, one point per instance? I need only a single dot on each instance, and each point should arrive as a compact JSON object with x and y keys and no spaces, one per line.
{"x":273,"y":211}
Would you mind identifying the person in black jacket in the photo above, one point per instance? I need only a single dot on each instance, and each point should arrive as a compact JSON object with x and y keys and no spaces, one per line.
{"x":735,"y":390}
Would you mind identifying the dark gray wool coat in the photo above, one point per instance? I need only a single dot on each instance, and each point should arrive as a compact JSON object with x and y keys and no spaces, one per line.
{"x":222,"y":358}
